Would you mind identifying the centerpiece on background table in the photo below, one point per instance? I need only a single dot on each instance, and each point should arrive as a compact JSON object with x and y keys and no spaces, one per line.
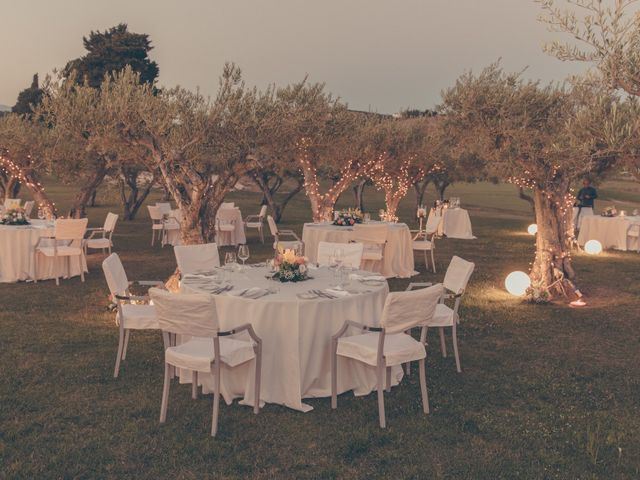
{"x":14,"y":216}
{"x":347,"y":218}
{"x":609,"y":212}
{"x":288,"y":266}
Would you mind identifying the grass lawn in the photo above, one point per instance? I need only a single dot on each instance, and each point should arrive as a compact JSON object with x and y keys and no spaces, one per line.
{"x":546,"y":391}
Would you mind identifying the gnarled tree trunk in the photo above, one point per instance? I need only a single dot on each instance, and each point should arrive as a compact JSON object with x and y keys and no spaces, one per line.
{"x":358,"y":193}
{"x":554,"y":238}
{"x":82,"y":198}
{"x":420,"y":189}
{"x":134,"y":198}
{"x":269,"y":185}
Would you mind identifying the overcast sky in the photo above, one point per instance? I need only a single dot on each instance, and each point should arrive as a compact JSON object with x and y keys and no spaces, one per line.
{"x":381,"y":55}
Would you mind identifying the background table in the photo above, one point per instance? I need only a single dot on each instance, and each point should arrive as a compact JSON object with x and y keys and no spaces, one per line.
{"x":236,"y":237}
{"x":611,"y":232}
{"x":398,"y":254}
{"x":296,"y":336}
{"x":455,"y":223}
{"x":17,"y":246}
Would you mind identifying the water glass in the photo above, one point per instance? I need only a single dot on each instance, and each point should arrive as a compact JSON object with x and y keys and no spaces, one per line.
{"x":243,"y":253}
{"x":367,"y":217}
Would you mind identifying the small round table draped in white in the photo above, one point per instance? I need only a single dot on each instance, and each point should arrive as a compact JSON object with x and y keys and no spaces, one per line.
{"x":398,"y":253}
{"x":17,"y":244}
{"x":296,"y":336}
{"x":455,"y":223}
{"x":611,"y":232}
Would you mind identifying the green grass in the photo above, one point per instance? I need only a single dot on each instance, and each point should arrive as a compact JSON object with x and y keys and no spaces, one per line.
{"x":546,"y":391}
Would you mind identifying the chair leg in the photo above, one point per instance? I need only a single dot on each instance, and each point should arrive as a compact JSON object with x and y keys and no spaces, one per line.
{"x":126,"y":344}
{"x":165,"y":393}
{"x":194,"y":385}
{"x":454,"y":334}
{"x":334,"y":374}
{"x":35,"y":268}
{"x":433,"y":261}
{"x":423,"y":386}
{"x":426,"y":261}
{"x":381,"y":415}
{"x":261,"y":235}
{"x":443,"y":345}
{"x":256,"y":400}
{"x":153,"y":236}
{"x":388,"y":379}
{"x":216,"y":399}
{"x":407,"y":368}
{"x":119,"y":356}
{"x":81,"y":267}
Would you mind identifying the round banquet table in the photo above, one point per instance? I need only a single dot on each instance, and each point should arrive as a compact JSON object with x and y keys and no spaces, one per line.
{"x":237,"y":236}
{"x":611,"y":232}
{"x":398,"y":253}
{"x":17,"y":244}
{"x":296,"y":336}
{"x":455,"y":223}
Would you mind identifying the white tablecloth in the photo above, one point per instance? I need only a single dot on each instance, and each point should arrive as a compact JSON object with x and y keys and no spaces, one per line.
{"x":611,"y":232}
{"x":17,"y":244}
{"x":296,"y":337}
{"x":398,"y":253}
{"x":455,"y":223}
{"x":236,"y":237}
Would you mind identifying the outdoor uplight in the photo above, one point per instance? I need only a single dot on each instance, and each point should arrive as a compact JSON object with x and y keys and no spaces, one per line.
{"x":593,"y":247}
{"x":532,"y":229}
{"x":517,"y":283}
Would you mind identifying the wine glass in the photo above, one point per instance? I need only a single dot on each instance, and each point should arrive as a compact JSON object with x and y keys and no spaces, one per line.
{"x":381,"y":213}
{"x":243,"y":253}
{"x":230,"y":259}
{"x":40,"y":214}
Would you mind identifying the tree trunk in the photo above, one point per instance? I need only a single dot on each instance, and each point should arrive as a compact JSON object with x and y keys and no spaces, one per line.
{"x":420,"y":189}
{"x":358,"y":194}
{"x":92,"y":200}
{"x":78,"y":208}
{"x":269,"y":192}
{"x":527,"y":198}
{"x":14,"y":188}
{"x":553,"y":240}
{"x":133,"y":200}
{"x":391,"y":203}
{"x":440,"y":188}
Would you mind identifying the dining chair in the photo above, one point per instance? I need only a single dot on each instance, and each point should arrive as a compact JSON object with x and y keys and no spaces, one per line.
{"x":133,"y":311}
{"x":455,"y":283}
{"x":351,"y":253}
{"x":194,"y":315}
{"x":165,"y":207}
{"x":105,"y":241}
{"x":388,"y":345}
{"x":157,"y":222}
{"x":374,"y":239}
{"x":225,"y":225}
{"x":67,"y":241}
{"x":425,"y":240}
{"x":28,"y":208}
{"x":634,"y":232}
{"x":227,"y":205}
{"x":257,"y":221}
{"x":279,"y":233}
{"x":12,"y":203}
{"x":196,"y":258}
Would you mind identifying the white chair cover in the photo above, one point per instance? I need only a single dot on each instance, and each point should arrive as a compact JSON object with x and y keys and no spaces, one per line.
{"x":197,"y":258}
{"x":185,"y":313}
{"x":433,"y":221}
{"x":155,"y":212}
{"x":458,"y":273}
{"x":12,"y":203}
{"x":110,"y":222}
{"x":273,"y":228}
{"x":70,"y":229}
{"x":28,"y":208}
{"x":164,"y":207}
{"x":405,"y":310}
{"x":115,"y":275}
{"x":263,"y":211}
{"x":227,"y":205}
{"x":352,"y":253}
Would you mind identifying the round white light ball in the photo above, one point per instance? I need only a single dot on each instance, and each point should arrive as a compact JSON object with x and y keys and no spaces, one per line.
{"x":532,"y":229}
{"x":593,"y":247}
{"x":517,"y":283}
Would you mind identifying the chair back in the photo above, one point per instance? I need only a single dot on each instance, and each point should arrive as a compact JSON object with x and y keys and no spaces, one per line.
{"x":176,"y":215}
{"x":352,"y":253}
{"x":115,"y":275}
{"x":226,"y":215}
{"x":634,"y":230}
{"x":12,"y":203}
{"x":185,"y":313}
{"x":405,"y":310}
{"x":196,"y":258}
{"x":372,"y":234}
{"x":458,"y":273}
{"x":110,"y":222}
{"x":263,"y":212}
{"x":433,"y":221}
{"x":165,"y":207}
{"x":70,"y":228}
{"x":155,"y":212}
{"x":224,"y":205}
{"x":273,"y":228}
{"x":28,"y":208}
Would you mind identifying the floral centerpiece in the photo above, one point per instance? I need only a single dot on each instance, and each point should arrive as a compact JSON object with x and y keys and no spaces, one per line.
{"x":14,"y":216}
{"x":347,"y":218}
{"x":609,"y":212}
{"x":289,"y":266}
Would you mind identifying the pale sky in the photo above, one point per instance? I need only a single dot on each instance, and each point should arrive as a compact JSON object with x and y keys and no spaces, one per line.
{"x":381,"y":55}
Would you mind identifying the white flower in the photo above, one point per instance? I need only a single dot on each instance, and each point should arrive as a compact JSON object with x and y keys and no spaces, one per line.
{"x":302,"y":269}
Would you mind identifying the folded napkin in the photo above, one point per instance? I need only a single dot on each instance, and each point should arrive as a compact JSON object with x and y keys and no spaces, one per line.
{"x":253,"y":292}
{"x":199,"y":277}
{"x":375,"y":278}
{"x":337,"y":292}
